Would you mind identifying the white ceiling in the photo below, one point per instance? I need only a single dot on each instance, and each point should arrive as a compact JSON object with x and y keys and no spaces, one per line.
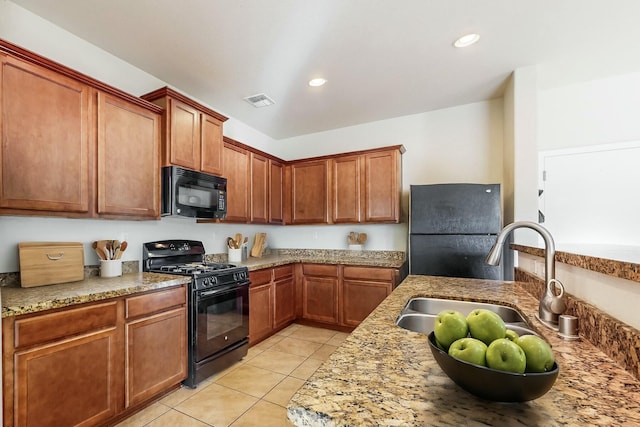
{"x":382,"y":58}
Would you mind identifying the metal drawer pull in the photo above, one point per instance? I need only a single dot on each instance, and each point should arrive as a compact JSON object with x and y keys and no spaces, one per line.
{"x":56,"y":258}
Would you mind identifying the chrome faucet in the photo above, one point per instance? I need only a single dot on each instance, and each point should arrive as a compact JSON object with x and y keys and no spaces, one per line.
{"x":551,"y":305}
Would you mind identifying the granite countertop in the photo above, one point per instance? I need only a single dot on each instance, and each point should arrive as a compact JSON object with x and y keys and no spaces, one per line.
{"x":389,"y":259}
{"x":16,"y":301}
{"x":385,"y":375}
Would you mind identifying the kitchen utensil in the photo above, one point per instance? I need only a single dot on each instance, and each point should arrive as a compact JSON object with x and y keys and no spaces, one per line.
{"x":115,"y":247}
{"x":238,"y":240}
{"x":258,"y":245}
{"x":99,"y":251}
{"x":102,"y":247}
{"x":121,"y":249}
{"x":362,"y":238}
{"x":352,"y":238}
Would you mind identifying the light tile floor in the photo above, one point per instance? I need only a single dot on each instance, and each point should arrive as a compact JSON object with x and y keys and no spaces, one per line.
{"x":254,"y":391}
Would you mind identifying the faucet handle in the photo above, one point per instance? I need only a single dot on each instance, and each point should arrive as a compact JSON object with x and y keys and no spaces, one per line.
{"x":554,"y":301}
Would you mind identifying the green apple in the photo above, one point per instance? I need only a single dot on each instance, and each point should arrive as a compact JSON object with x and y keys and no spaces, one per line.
{"x":511,"y":335}
{"x":470,"y":350}
{"x":450,"y":325}
{"x":505,"y":355}
{"x":539,"y":354}
{"x":486,"y":325}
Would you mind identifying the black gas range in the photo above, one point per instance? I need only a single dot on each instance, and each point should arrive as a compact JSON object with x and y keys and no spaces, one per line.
{"x":218,"y":306}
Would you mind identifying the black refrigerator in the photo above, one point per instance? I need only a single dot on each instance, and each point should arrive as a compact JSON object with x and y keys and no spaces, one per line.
{"x":452,"y":228}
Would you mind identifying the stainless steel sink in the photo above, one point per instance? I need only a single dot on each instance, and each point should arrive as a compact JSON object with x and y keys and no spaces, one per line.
{"x":417,"y":322}
{"x":436,"y":305}
{"x":419,"y":315}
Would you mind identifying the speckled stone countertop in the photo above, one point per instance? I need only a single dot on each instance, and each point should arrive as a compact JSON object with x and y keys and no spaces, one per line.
{"x":16,"y":301}
{"x":385,"y":375}
{"x":277,"y":257}
{"x":604,"y":262}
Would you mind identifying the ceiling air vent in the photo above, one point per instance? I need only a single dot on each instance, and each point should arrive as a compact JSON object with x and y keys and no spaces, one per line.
{"x":259,"y":100}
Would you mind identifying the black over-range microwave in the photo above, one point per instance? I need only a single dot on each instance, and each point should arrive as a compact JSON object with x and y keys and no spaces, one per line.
{"x":193,"y":194}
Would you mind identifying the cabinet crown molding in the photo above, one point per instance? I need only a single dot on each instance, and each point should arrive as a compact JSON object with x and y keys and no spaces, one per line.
{"x":167,"y":91}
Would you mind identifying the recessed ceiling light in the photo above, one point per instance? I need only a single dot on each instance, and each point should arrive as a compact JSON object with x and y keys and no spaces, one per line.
{"x":467,"y":40}
{"x":317,"y":82}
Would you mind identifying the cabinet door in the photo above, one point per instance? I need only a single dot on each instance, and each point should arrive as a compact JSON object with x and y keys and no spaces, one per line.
{"x":156,"y":356}
{"x":211,"y":145}
{"x":309,"y":182}
{"x":259,"y":189}
{"x":237,"y":172}
{"x":346,"y":194}
{"x":260,"y":312}
{"x":382,"y":186}
{"x":46,"y":152}
{"x":360,"y":298}
{"x":320,"y":299}
{"x":184,"y":140}
{"x":276,"y":186}
{"x":71,"y":382}
{"x":284,"y":302}
{"x":128,"y":159}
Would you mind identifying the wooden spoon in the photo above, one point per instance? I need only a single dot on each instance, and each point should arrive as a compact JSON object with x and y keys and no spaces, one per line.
{"x":99,"y":252}
{"x":101,"y":246}
{"x":121,"y":249}
{"x":362,"y":237}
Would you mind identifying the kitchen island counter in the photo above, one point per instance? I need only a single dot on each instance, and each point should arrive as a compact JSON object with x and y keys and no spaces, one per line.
{"x":16,"y":301}
{"x":385,"y":375}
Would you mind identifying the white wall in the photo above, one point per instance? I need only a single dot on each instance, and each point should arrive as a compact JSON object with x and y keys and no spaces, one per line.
{"x":460,"y":144}
{"x":588,"y":118}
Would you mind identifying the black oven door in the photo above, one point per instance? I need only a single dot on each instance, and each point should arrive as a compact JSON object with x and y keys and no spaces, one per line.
{"x":222,"y":319}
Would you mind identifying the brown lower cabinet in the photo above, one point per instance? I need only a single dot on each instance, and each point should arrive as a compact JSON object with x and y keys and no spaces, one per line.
{"x":271,"y":301}
{"x":91,"y":364}
{"x":363,"y":289}
{"x":330,"y":295}
{"x":320,"y":293}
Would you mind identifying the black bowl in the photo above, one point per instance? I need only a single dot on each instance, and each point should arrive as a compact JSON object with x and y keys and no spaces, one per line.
{"x":491,"y":384}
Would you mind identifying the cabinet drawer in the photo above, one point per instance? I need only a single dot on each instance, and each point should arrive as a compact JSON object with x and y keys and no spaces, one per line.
{"x":53,"y":326}
{"x":283,"y":271}
{"x":154,"y":302}
{"x":368,"y":273}
{"x":260,"y":277}
{"x":320,"y":270}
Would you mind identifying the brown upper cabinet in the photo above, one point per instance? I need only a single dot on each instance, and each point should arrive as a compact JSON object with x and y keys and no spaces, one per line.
{"x":259,"y":189}
{"x":254,"y":185}
{"x":71,"y":145}
{"x":366,"y":186}
{"x":46,"y":156}
{"x":309,"y":192}
{"x":346,"y":190}
{"x":276,"y":192}
{"x":192,"y":133}
{"x":238,"y":173}
{"x":382,"y":185}
{"x":120,"y":166}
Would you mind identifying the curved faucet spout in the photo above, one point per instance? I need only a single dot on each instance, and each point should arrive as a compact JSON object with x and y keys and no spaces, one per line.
{"x":493,"y":258}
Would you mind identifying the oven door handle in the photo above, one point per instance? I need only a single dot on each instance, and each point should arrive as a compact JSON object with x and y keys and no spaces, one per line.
{"x":204,"y":294}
